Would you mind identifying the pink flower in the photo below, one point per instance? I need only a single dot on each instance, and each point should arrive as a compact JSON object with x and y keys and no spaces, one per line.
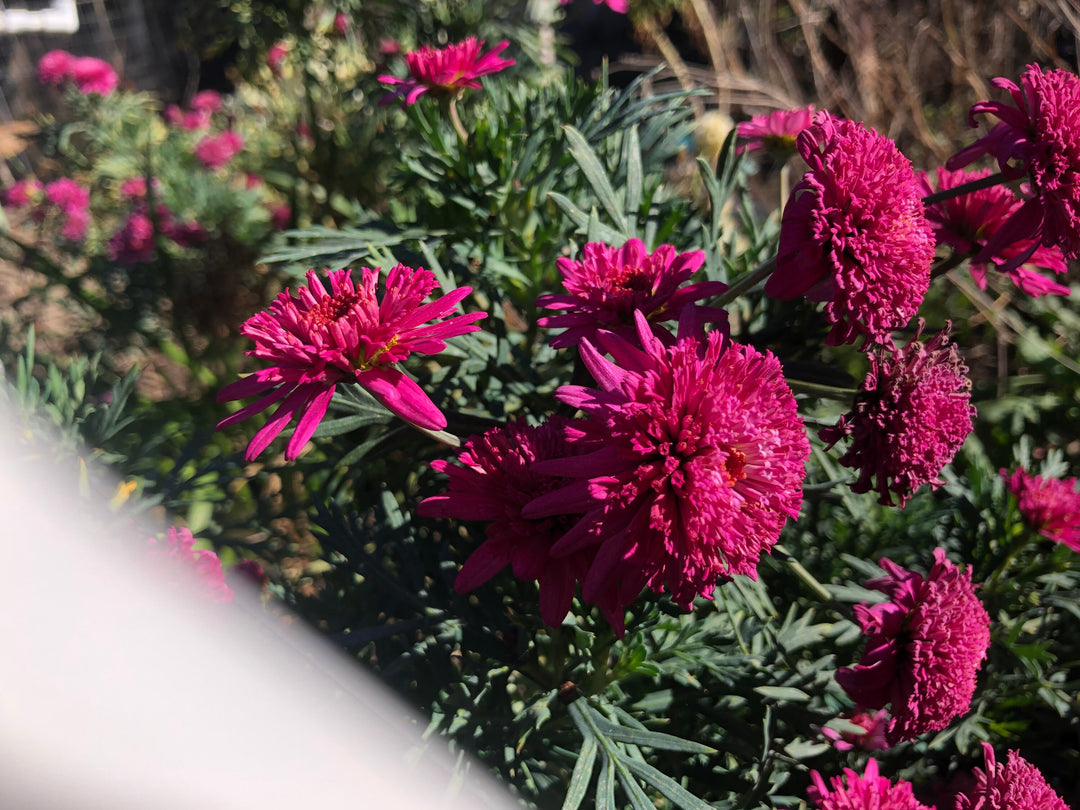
{"x":216,"y":150}
{"x":203,"y":563}
{"x":909,"y":418}
{"x":54,"y":67}
{"x":134,"y":242}
{"x":1051,"y":506}
{"x":1039,"y":137}
{"x":867,"y":792}
{"x":968,"y":222}
{"x":388,"y":46}
{"x":186,"y":234}
{"x":618,"y":6}
{"x":67,"y":194}
{"x":76,"y":223}
{"x":702,"y":461}
{"x":280,"y":215}
{"x":447,"y":70}
{"x":275,"y":56}
{"x":341,"y":23}
{"x":208,"y":101}
{"x":925,"y":646}
{"x":854,"y":233}
{"x":606,"y":287}
{"x":872,"y":738}
{"x":494,"y":481}
{"x":134,"y":188}
{"x":24,"y":194}
{"x":775,"y":131}
{"x":1017,"y":785}
{"x":316,"y":339}
{"x":92,"y":75}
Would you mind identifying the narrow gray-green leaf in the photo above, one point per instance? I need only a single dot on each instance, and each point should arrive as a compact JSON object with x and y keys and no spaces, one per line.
{"x":634,"y":181}
{"x":678,"y":795}
{"x":347,"y":424}
{"x":605,"y":785}
{"x":581,"y":219}
{"x":633,"y":791}
{"x":788,"y":693}
{"x":596,"y":176}
{"x":579,"y":780}
{"x":649,"y":739}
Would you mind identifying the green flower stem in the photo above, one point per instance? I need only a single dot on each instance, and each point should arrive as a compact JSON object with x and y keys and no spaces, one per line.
{"x":455,"y":120}
{"x":747,"y":282}
{"x":990,"y":181}
{"x":449,"y":439}
{"x":808,"y":579}
{"x":945,"y":265}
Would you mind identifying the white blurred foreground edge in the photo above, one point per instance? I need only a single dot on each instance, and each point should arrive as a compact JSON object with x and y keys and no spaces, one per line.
{"x":118,"y":691}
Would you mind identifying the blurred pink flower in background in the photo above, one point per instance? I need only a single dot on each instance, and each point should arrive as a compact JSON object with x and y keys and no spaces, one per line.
{"x":319,"y":338}
{"x":776,"y":131}
{"x":93,"y":75}
{"x":924,"y":648}
{"x":912,"y":413}
{"x":206,"y":101}
{"x":872,"y":737}
{"x":54,"y":67}
{"x":607,"y":285}
{"x":854,"y":232}
{"x":969,"y":222}
{"x":702,"y":462}
{"x":1038,"y":136}
{"x":275,"y":56}
{"x":177,"y":548}
{"x":133,"y":243}
{"x":618,"y":6}
{"x":1050,"y":506}
{"x":341,"y":23}
{"x":24,"y":193}
{"x":214,"y":151}
{"x":493,"y":481}
{"x":870,"y":791}
{"x":134,"y":188}
{"x":73,"y":200}
{"x":445,"y":71}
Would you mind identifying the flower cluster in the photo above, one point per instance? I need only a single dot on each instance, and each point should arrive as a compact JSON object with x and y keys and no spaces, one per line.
{"x":203,"y":106}
{"x":87,"y":73}
{"x":924,"y":648}
{"x":775,"y":132}
{"x":608,"y":285}
{"x":967,"y":223}
{"x":1016,"y":785}
{"x":871,"y":791}
{"x":445,"y":71}
{"x":214,"y":151}
{"x":854,"y":232}
{"x":64,"y":198}
{"x":909,"y":418}
{"x":1051,"y":506}
{"x":178,"y":549}
{"x":319,"y":338}
{"x":494,"y":481}
{"x":700,"y":462}
{"x":1038,"y":136}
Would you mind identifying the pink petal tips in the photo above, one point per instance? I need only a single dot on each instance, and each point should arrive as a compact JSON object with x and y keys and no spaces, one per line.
{"x":871,"y":791}
{"x":853,"y":233}
{"x":1038,"y":136}
{"x":493,"y":481}
{"x":909,"y":418}
{"x":1050,"y":506}
{"x":319,"y":338}
{"x":1016,"y":785}
{"x":924,"y":648}
{"x":607,"y":285}
{"x":446,"y":71}
{"x":701,"y":462}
